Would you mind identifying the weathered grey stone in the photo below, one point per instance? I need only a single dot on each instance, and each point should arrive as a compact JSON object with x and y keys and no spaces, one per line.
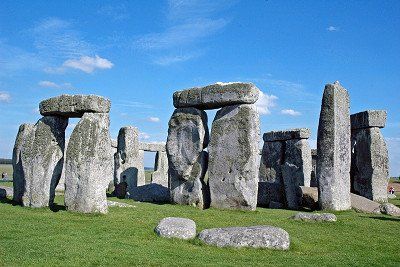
{"x":152,"y":147}
{"x":391,"y":196}
{"x":390,"y":209}
{"x":252,"y":236}
{"x":296,"y":170}
{"x":314,"y":157}
{"x":362,"y":204}
{"x":318,"y":217}
{"x":88,"y":164}
{"x":173,"y":227}
{"x":160,"y":174}
{"x":309,"y":197}
{"x":129,"y":159}
{"x":119,"y":204}
{"x":38,"y":160}
{"x":153,"y":193}
{"x":3,"y":193}
{"x":368,"y":118}
{"x":334,"y":151}
{"x":369,"y":164}
{"x":187,"y":162}
{"x":270,"y":187}
{"x":217,"y":95}
{"x":301,"y":133}
{"x":74,"y":106}
{"x":233,"y":163}
{"x":61,"y":184}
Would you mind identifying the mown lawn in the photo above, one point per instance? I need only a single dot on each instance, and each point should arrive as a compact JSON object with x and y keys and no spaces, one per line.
{"x":125,"y":237}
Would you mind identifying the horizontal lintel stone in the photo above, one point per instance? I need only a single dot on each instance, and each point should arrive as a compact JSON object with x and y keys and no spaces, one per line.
{"x":368,"y":119}
{"x":301,"y":133}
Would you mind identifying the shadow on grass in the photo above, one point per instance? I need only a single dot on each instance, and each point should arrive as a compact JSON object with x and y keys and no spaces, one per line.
{"x":8,"y":201}
{"x":57,"y":208}
{"x":385,"y":218}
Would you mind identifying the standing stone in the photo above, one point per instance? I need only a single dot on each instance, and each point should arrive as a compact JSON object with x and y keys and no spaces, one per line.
{"x":314,"y":156}
{"x":233,"y":170}
{"x":160,"y":174}
{"x":88,"y":164}
{"x":129,"y":160}
{"x":333,"y":149}
{"x":369,"y":165}
{"x":187,"y":162}
{"x":38,"y":160}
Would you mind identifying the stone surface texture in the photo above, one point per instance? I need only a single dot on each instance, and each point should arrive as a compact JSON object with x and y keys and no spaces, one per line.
{"x":187,"y":162}
{"x":152,"y":147}
{"x":334,"y":149}
{"x":252,"y":236}
{"x":233,"y":158}
{"x":160,"y":174}
{"x":173,"y":227}
{"x":88,"y":164}
{"x":74,"y":106}
{"x":301,"y":133}
{"x":309,"y":197}
{"x":362,"y":204}
{"x":390,"y":209}
{"x":38,"y":159}
{"x":369,"y":164}
{"x":314,"y":157}
{"x":317,"y":217}
{"x":368,"y":119}
{"x":217,"y":95}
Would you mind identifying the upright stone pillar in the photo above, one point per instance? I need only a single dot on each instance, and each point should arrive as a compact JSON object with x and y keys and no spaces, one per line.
{"x":314,"y":157}
{"x":187,"y":160}
{"x":160,"y":174}
{"x":38,"y":158}
{"x":88,"y":164}
{"x":128,"y":160}
{"x":287,"y":161}
{"x":369,"y":163}
{"x":333,"y":149}
{"x":233,"y":162}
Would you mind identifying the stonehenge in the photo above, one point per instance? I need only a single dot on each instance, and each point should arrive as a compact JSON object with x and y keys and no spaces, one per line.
{"x":369,"y":157}
{"x":333,"y":149}
{"x":232,"y":170}
{"x":285,"y":166}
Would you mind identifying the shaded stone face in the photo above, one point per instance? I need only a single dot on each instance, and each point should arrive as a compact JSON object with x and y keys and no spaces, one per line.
{"x":38,"y":158}
{"x":233,"y":162}
{"x":187,"y":162}
{"x":88,"y":164}
{"x":368,"y":119}
{"x":369,"y":166}
{"x":217,"y":95}
{"x":301,"y":133}
{"x":333,"y":149}
{"x":74,"y":106}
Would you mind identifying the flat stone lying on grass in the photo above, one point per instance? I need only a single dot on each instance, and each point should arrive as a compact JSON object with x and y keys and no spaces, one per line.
{"x":217,"y":95}
{"x":252,"y":236}
{"x":175,"y":227}
{"x":318,"y":217}
{"x":74,"y":106}
{"x":119,"y":204}
{"x":6,"y":191}
{"x":391,"y":196}
{"x":362,"y":204}
{"x":390,"y":209}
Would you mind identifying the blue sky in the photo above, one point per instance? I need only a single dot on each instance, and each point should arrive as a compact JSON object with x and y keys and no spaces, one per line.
{"x":137,"y":53}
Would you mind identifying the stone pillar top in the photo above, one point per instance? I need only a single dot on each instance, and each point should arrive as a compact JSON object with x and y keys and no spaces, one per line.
{"x":368,"y":119}
{"x":217,"y":95}
{"x":300,"y":133}
{"x":74,"y":106}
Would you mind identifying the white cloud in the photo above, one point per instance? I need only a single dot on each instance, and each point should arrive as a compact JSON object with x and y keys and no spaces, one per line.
{"x":144,"y":136}
{"x":88,"y":64}
{"x":153,"y":119}
{"x":115,"y":11}
{"x":48,"y":84}
{"x":265,"y":103}
{"x":5,"y":96}
{"x":290,"y":112}
{"x":332,"y":29}
{"x":168,"y":60}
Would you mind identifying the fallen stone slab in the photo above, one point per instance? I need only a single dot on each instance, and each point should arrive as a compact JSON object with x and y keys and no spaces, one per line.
{"x":74,"y":106}
{"x":391,"y":196}
{"x":317,"y":217}
{"x":301,"y":133}
{"x":175,"y":227}
{"x":368,"y":118}
{"x":309,"y":197}
{"x":252,"y":236}
{"x":153,"y":193}
{"x":362,"y":204}
{"x":152,"y":147}
{"x":217,"y":95}
{"x":119,"y":204}
{"x":390,"y":209}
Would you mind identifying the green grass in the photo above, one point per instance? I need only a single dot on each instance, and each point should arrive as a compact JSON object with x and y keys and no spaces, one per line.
{"x":125,"y":237}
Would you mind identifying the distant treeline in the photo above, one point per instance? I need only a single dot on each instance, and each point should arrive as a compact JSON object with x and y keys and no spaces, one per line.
{"x":5,"y":161}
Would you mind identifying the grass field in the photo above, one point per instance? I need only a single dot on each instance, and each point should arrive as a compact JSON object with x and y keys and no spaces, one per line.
{"x":125,"y":237}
